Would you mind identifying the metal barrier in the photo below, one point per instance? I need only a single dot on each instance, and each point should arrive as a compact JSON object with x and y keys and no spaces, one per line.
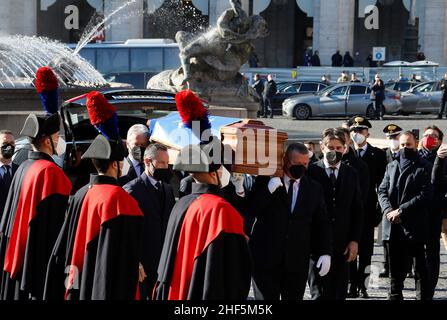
{"x":364,"y":74}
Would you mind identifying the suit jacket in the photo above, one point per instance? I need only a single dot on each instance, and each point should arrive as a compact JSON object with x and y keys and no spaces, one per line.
{"x":128,"y":174}
{"x":156,"y":207}
{"x":389,"y":155}
{"x":439,"y":181}
{"x":376,"y":162}
{"x":279,"y":235}
{"x":411,"y":191}
{"x":346,"y":209}
{"x":4,"y":189}
{"x":362,"y":170}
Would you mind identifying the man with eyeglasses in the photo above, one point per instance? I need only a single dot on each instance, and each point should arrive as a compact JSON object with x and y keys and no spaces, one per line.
{"x":429,"y":146}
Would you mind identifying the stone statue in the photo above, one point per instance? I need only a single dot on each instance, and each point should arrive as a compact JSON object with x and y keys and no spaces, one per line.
{"x":211,"y":61}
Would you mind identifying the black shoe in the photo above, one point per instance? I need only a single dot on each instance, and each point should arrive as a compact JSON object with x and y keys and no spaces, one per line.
{"x":364,"y":293}
{"x":439,"y":116}
{"x":353,"y":294}
{"x":385,"y":273}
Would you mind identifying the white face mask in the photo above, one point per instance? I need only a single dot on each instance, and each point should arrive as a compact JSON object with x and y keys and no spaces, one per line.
{"x":394,"y":144}
{"x":225,"y":177}
{"x":358,"y":138}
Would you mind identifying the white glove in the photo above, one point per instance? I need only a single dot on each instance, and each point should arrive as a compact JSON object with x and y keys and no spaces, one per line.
{"x":237,"y":179}
{"x":324,"y":263}
{"x":274,"y":184}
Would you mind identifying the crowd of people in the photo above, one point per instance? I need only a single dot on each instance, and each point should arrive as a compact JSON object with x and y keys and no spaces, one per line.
{"x":125,"y":236}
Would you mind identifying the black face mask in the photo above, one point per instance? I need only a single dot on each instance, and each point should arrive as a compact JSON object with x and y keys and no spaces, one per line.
{"x":333,"y":157}
{"x":297,"y":171}
{"x":138,"y":153}
{"x":163,"y":175}
{"x":408,"y":154}
{"x":7,"y":151}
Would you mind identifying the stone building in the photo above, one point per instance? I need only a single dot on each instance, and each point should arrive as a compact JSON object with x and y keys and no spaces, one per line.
{"x":404,"y":26}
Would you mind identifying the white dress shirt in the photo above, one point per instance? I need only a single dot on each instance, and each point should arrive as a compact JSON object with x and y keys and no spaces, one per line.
{"x":153,"y":182}
{"x":296,"y":188}
{"x":329,"y":170}
{"x":364,"y":148}
{"x":136,"y":165}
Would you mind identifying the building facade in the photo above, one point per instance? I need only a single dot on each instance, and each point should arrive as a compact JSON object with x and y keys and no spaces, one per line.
{"x":404,"y":27}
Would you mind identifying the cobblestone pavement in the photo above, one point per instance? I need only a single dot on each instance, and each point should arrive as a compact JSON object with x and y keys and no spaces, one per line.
{"x":378,"y":287}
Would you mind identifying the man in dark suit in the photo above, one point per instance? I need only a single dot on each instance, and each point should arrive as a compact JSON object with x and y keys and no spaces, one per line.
{"x":137,"y":140}
{"x":392,"y":133}
{"x":344,"y":205}
{"x":404,"y":196}
{"x":156,"y":199}
{"x":375,"y":160}
{"x":7,"y":168}
{"x":291,"y":224}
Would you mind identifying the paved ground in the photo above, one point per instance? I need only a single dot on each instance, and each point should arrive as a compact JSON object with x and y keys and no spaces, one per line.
{"x":378,"y":287}
{"x":312,"y":129}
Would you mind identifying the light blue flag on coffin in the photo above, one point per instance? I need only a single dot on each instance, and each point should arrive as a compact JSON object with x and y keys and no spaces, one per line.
{"x":169,"y":130}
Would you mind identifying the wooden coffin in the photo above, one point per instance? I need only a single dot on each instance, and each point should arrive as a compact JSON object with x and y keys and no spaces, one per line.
{"x":258,"y":149}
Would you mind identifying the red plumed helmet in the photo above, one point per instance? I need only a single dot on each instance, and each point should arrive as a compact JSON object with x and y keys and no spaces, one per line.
{"x":46,"y":80}
{"x":190,"y":107}
{"x":99,"y":109}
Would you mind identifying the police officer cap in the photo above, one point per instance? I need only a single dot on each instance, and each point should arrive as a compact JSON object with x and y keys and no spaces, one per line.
{"x":104,"y":149}
{"x":392,"y":130}
{"x":359,"y":122}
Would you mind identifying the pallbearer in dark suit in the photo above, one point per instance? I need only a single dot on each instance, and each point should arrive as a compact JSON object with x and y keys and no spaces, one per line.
{"x":156,"y":200}
{"x":392,"y":133}
{"x":375,"y":160}
{"x":7,"y":167}
{"x":291,"y":224}
{"x":344,"y":205}
{"x":404,"y":196}
{"x":137,"y":140}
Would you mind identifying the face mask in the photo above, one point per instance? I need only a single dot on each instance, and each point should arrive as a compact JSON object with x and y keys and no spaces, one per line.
{"x":311,"y":154}
{"x":61,"y":147}
{"x":429,"y":143}
{"x":297,"y":171}
{"x":163,"y":175}
{"x":407,"y":153}
{"x":138,"y":153}
{"x":358,"y":138}
{"x":394,"y":144}
{"x":224,"y":178}
{"x":333,"y":157}
{"x":7,"y":151}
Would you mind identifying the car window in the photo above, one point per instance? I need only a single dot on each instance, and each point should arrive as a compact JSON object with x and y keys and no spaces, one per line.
{"x":403,"y":86}
{"x":339,"y":91}
{"x":357,"y":90}
{"x":322,"y":87}
{"x":424,"y":88}
{"x":309,"y":87}
{"x":291,"y":89}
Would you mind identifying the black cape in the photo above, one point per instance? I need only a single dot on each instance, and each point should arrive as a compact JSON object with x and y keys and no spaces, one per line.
{"x":102,"y":241}
{"x":219,"y":265}
{"x":33,"y":215}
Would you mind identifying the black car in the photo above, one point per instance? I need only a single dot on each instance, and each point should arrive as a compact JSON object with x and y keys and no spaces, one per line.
{"x":133,"y":107}
{"x":289,"y":89}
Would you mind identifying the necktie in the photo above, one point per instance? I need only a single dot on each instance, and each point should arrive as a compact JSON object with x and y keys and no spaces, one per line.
{"x":359,"y":152}
{"x":290,"y":193}
{"x":158,"y":186}
{"x":7,"y":174}
{"x":332,"y":176}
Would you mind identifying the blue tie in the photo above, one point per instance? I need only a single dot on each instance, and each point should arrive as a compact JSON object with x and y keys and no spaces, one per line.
{"x":6,"y":174}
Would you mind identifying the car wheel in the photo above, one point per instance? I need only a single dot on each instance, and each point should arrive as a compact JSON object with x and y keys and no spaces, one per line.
{"x":302,"y":112}
{"x":370,"y":112}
